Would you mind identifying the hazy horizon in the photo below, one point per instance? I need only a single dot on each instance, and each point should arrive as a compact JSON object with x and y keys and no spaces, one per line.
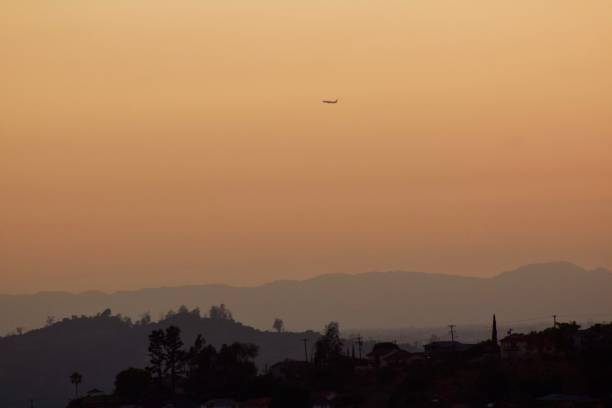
{"x":154,"y":143}
{"x":302,"y":279}
{"x":367,"y":300}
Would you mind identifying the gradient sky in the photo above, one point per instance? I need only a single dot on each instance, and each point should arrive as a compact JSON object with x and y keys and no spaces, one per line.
{"x":149,"y":142}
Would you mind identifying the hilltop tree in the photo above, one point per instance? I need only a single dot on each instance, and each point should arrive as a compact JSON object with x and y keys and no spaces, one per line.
{"x":220,"y":313}
{"x":76,"y":379}
{"x":278,"y":325}
{"x":144,"y":319}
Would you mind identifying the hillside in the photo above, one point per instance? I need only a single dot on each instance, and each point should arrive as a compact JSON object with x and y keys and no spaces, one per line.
{"x":37,"y":364}
{"x":368,"y":300}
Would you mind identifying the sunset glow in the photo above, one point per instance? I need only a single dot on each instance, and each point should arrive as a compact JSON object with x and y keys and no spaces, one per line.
{"x":147,"y":143}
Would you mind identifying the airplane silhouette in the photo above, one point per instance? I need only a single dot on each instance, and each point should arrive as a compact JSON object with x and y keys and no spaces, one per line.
{"x":328,"y":101}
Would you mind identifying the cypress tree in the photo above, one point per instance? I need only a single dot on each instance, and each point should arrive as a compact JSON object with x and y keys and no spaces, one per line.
{"x":494,"y":331}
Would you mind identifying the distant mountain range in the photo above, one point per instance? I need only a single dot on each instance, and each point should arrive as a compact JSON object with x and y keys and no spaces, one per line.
{"x":367,"y":300}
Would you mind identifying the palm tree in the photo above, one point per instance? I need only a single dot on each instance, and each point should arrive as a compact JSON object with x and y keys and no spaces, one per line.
{"x":76,"y":379}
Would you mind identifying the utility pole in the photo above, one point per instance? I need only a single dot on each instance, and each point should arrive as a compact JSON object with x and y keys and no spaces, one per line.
{"x":554,"y":320}
{"x":359,"y":343}
{"x":452,"y":332}
{"x":305,"y":340}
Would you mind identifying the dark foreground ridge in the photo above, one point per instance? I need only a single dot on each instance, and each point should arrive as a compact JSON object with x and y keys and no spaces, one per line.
{"x":36,"y":364}
{"x":562,"y":366}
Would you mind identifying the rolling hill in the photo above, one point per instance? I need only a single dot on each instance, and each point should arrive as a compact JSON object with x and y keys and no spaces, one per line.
{"x":37,"y":365}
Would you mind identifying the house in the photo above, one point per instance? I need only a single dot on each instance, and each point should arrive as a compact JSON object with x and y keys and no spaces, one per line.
{"x":390,"y":355}
{"x":402,"y":358}
{"x":438,"y":348}
{"x":256,"y":403}
{"x":594,"y":339}
{"x":324,"y":399}
{"x":220,"y":403}
{"x":380,"y":351}
{"x":565,"y":400}
{"x":291,"y":370}
{"x":94,"y":401}
{"x":533,"y":345}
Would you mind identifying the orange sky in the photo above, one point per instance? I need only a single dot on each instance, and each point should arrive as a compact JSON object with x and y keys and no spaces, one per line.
{"x":150,"y":142}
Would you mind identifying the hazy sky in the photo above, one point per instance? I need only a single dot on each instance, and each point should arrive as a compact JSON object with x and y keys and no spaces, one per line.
{"x":149,"y":142}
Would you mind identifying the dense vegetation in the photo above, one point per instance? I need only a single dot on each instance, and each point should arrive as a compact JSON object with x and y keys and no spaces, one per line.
{"x":37,"y":364}
{"x":538,"y":368}
{"x":188,"y":359}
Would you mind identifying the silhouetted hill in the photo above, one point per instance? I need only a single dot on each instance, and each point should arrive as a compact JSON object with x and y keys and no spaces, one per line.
{"x":38,"y":364}
{"x":368,"y":300}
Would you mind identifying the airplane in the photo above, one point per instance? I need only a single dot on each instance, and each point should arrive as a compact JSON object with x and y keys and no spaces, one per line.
{"x":328,"y":101}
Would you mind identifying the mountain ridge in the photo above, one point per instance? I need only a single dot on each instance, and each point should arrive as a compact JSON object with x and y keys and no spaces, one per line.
{"x":308,"y":279}
{"x":369,"y":299}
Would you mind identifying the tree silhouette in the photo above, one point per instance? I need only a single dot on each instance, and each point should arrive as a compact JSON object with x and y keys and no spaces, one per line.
{"x":131,"y":384}
{"x":76,"y":379}
{"x":224,"y":372}
{"x":201,"y":360}
{"x":144,"y":319}
{"x":494,"y":331}
{"x":329,"y":347}
{"x":166,"y":355}
{"x":278,"y":325}
{"x":157,"y":357}
{"x":175,"y":356}
{"x":220,"y":313}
